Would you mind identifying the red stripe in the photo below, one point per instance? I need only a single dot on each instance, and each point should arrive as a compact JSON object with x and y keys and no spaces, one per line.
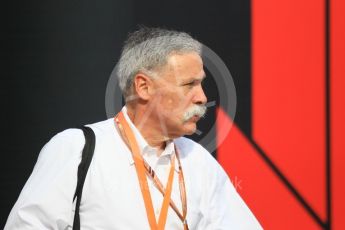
{"x":337,"y":68}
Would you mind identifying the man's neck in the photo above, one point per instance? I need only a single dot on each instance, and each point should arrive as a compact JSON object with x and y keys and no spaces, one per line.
{"x":148,"y":129}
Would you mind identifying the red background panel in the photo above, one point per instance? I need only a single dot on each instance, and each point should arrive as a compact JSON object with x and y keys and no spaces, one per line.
{"x":270,"y":201}
{"x":288,"y":92}
{"x":337,"y":89}
{"x":289,"y":115}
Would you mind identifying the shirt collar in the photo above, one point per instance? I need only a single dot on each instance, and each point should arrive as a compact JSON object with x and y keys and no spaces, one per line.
{"x":144,"y":147}
{"x":142,"y":143}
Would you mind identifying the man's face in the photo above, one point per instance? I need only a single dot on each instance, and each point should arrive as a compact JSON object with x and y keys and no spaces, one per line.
{"x":176,"y":90}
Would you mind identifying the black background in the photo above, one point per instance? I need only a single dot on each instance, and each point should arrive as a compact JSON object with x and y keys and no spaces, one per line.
{"x":57,"y":57}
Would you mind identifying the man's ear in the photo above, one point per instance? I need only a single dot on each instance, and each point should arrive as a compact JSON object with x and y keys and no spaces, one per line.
{"x":143,"y":86}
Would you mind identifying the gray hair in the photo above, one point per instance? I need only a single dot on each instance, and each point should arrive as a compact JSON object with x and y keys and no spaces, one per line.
{"x":147,"y":49}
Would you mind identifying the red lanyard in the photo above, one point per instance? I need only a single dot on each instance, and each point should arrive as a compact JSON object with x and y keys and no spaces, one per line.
{"x":142,"y":168}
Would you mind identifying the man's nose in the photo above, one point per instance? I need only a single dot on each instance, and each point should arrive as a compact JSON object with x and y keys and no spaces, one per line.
{"x":200,"y":97}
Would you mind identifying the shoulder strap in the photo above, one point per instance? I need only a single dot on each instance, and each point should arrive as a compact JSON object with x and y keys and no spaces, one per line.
{"x":83,"y":167}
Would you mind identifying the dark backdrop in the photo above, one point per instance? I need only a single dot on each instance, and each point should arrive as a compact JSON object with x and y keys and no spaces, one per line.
{"x":58,"y":56}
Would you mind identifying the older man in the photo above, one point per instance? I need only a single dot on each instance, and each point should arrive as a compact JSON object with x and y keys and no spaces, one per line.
{"x":144,"y":174}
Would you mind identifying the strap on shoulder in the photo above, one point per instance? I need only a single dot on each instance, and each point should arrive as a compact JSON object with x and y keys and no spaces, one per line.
{"x":83,"y":167}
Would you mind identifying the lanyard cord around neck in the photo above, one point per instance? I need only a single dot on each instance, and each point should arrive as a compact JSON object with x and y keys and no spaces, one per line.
{"x":129,"y":139}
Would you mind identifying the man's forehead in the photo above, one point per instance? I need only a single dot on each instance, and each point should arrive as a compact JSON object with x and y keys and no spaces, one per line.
{"x":199,"y":76}
{"x":178,"y":59}
{"x":184,"y":77}
{"x":184,"y":66}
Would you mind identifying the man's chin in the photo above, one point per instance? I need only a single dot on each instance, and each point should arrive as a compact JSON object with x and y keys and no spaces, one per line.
{"x":190,"y":130}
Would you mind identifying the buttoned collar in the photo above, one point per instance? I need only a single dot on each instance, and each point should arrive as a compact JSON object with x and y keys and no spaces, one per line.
{"x":144,"y":148}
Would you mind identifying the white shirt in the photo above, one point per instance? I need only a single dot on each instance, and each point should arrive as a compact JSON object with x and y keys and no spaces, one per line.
{"x":112,"y":197}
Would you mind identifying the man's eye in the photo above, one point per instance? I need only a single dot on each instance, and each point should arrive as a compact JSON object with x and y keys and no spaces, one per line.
{"x":192,"y":83}
{"x":189,"y":83}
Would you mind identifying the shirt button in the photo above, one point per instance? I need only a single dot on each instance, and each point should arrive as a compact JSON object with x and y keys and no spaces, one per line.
{"x":157,"y":211}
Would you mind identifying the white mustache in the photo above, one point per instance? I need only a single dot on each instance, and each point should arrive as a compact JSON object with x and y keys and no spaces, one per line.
{"x":198,"y":110}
